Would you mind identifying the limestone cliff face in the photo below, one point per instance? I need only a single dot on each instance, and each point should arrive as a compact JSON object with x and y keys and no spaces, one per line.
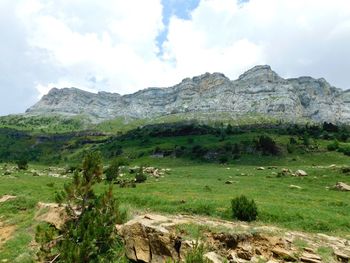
{"x":258,"y":91}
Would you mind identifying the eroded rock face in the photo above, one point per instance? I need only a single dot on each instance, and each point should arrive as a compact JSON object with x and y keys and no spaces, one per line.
{"x":146,"y":242}
{"x":157,"y":238}
{"x":259,"y":91}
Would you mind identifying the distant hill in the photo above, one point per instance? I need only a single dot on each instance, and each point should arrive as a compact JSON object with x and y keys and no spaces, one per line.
{"x":259,"y":91}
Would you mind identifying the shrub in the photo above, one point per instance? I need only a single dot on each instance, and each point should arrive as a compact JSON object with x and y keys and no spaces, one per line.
{"x":290,"y":148}
{"x":140,"y":177}
{"x":267,"y":145}
{"x":333,"y":146}
{"x":306,"y":140}
{"x":198,"y":151}
{"x":179,"y":151}
{"x":345,"y":170}
{"x":223,"y":159}
{"x":112,"y":171}
{"x":292,"y":140}
{"x":345,"y":150}
{"x":243,"y":209}
{"x":190,"y":140}
{"x":22,"y":164}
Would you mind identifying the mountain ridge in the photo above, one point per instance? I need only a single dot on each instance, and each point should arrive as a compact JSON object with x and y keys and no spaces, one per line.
{"x":259,"y":90}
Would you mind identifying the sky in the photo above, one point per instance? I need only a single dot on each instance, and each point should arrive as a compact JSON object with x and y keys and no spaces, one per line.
{"x":124,"y":46}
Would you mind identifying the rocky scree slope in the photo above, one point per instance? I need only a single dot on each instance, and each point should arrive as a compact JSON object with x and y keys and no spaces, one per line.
{"x":259,"y":91}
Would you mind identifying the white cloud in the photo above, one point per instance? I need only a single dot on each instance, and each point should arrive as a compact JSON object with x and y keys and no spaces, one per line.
{"x":112,"y":44}
{"x":294,"y":37}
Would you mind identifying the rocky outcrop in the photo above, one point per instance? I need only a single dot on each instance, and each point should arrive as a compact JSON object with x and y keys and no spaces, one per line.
{"x":259,"y":91}
{"x":156,"y":238}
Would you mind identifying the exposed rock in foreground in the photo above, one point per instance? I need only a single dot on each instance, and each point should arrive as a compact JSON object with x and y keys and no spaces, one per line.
{"x":155,"y":239}
{"x":259,"y":91}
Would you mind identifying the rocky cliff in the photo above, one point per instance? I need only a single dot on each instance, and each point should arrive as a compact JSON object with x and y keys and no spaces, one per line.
{"x":258,"y":91}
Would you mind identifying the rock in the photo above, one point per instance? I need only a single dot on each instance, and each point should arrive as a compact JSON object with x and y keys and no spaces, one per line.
{"x":229,"y":182}
{"x":5,"y":198}
{"x":52,"y":213}
{"x":341,"y":256}
{"x":137,"y":244}
{"x":260,"y":168}
{"x":148,"y":243}
{"x":309,"y":249}
{"x":244,"y":254}
{"x":340,"y":186}
{"x":292,"y":186}
{"x":310,"y":258}
{"x":300,"y":173}
{"x":212,"y":257}
{"x":257,"y":91}
{"x":283,"y":254}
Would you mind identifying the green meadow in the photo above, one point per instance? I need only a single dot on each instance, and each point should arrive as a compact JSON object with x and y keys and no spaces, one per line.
{"x":207,"y":170}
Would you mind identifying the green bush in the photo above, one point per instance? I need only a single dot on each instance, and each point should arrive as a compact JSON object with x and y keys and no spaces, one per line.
{"x":140,"y":177}
{"x":223,"y":159}
{"x":112,"y":171}
{"x":333,"y":146}
{"x":267,"y":145}
{"x":244,"y":209}
{"x":22,"y":164}
{"x":345,"y":150}
{"x":290,"y":148}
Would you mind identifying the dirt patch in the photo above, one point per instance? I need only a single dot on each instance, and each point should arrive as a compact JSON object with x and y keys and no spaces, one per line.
{"x":6,"y":232}
{"x":5,"y":198}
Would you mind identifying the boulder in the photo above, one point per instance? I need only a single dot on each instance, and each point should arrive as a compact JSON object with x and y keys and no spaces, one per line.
{"x":341,"y":256}
{"x":300,"y":173}
{"x":212,"y":257}
{"x":292,"y":186}
{"x":310,"y":258}
{"x":152,"y":244}
{"x":5,"y":198}
{"x":260,"y":168}
{"x":284,"y":254}
{"x":340,"y":186}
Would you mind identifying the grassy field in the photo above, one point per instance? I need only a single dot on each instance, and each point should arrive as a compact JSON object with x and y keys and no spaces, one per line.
{"x":196,"y":183}
{"x":199,"y":188}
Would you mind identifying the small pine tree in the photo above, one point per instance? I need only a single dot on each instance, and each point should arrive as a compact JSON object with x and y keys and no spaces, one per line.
{"x":89,"y":234}
{"x":333,"y":146}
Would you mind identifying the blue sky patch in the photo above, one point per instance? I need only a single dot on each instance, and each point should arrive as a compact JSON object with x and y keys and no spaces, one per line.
{"x":180,"y":8}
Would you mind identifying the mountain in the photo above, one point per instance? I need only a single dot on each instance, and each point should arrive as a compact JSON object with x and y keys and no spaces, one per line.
{"x":259,"y":91}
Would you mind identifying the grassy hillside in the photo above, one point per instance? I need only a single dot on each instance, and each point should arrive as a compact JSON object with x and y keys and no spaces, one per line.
{"x":209,"y":165}
{"x":44,"y":124}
